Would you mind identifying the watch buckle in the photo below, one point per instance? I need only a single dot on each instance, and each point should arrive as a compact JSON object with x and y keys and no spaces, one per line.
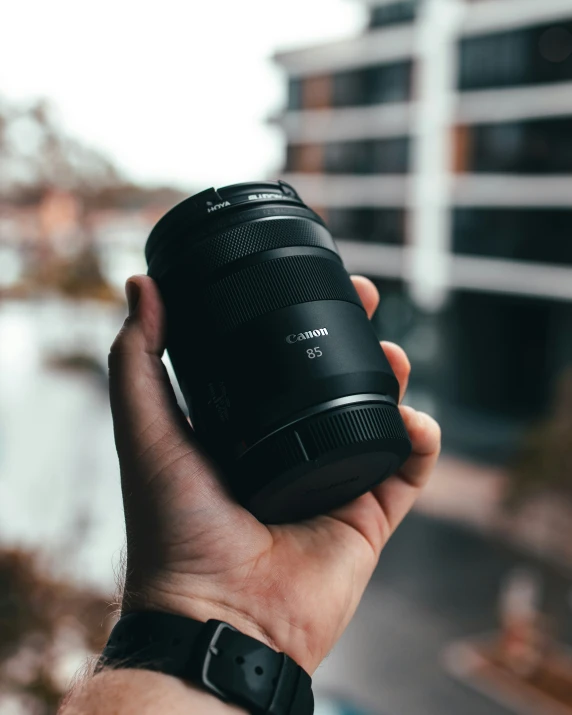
{"x":212,"y":632}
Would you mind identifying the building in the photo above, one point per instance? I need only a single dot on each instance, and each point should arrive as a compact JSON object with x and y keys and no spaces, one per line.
{"x":438,"y":146}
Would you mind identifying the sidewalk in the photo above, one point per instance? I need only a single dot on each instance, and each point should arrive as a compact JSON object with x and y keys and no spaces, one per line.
{"x":473,"y":495}
{"x":547,"y":691}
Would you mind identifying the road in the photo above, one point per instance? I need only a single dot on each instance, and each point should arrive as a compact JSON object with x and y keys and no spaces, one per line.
{"x":436,"y":582}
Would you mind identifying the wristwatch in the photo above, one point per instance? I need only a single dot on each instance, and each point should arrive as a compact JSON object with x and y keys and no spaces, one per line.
{"x":215,"y":656}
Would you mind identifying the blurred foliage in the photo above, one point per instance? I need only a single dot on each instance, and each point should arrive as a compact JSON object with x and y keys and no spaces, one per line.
{"x":37,"y":156}
{"x":57,"y":194}
{"x":77,"y":276}
{"x":42,"y":621}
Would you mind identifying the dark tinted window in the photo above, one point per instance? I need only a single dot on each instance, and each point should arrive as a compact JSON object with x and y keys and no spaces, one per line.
{"x":394,"y":13}
{"x":373,"y":85}
{"x":378,"y":225}
{"x":539,"y":147}
{"x":349,"y":88}
{"x":525,"y":235}
{"x":496,"y":356}
{"x":389,"y":83}
{"x":389,"y":156}
{"x":382,"y":156}
{"x":521,"y":57}
{"x":295,"y":94}
{"x":347,"y":158}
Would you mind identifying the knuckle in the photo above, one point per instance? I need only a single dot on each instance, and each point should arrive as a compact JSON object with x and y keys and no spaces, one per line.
{"x":430,"y":426}
{"x":435,"y":429}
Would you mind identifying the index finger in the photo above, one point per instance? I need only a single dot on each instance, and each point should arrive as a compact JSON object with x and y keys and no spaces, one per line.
{"x":368,"y":293}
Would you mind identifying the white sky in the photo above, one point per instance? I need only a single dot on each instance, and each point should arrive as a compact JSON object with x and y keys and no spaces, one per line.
{"x":172,"y":90}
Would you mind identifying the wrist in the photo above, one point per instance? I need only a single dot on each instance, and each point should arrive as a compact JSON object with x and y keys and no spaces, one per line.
{"x":143,"y":692}
{"x":249,"y":617}
{"x":199,"y":609}
{"x":214,"y":656}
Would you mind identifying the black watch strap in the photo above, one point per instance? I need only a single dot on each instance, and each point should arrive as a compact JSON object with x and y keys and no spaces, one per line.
{"x":235,"y":667}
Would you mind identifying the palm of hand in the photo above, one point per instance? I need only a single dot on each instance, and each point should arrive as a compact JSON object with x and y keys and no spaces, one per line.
{"x":194,"y":551}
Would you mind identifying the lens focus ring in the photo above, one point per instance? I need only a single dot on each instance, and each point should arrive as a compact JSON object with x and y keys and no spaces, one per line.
{"x":248,"y":239}
{"x":264,"y":287}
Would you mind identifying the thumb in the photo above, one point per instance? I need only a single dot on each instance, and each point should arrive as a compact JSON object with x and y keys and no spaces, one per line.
{"x":148,"y":424}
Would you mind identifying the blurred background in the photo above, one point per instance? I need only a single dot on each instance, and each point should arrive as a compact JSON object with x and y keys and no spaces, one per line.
{"x":435,"y":138}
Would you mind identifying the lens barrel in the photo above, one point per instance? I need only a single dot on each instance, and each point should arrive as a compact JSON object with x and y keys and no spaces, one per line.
{"x":286,"y":384}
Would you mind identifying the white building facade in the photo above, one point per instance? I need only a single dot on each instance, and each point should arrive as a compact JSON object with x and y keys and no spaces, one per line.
{"x":438,"y":147}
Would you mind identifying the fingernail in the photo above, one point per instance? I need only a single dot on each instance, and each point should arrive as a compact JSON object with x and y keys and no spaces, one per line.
{"x":133,"y":292}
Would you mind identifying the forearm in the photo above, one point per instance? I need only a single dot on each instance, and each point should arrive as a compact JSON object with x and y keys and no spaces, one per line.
{"x":141,"y":692}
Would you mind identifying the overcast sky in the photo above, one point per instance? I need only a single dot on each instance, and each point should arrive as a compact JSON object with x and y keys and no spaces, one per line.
{"x":173,"y":90}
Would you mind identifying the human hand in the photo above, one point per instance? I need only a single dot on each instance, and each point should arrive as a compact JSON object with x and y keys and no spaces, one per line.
{"x":193,"y":550}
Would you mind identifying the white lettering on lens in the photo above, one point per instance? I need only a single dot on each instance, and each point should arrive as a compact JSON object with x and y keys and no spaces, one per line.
{"x":297,"y":338}
{"x":216,"y":207}
{"x":258,"y":197}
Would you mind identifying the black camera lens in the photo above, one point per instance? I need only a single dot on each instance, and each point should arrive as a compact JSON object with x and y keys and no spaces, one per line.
{"x":286,"y":383}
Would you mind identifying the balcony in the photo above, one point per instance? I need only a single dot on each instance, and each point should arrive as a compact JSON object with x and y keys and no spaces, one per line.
{"x":397,"y":119}
{"x":399,"y":42}
{"x":491,"y":275}
{"x":487,"y":190}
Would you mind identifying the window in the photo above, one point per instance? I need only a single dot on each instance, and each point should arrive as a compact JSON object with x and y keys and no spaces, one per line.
{"x":294,"y":94}
{"x":373,"y":85}
{"x":535,"y":147}
{"x":388,"y":83}
{"x":346,"y":158}
{"x":349,"y":88}
{"x":353,"y":88}
{"x":389,"y":156}
{"x":394,"y":13}
{"x":495,"y":354}
{"x":495,"y":61}
{"x":539,"y":235}
{"x":380,"y":156}
{"x":378,"y":225}
{"x":374,"y":156}
{"x":317,"y":92}
{"x":521,"y":57}
{"x":305,"y":158}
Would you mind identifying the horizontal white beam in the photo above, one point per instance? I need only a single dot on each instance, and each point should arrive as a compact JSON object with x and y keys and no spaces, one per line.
{"x":515,"y":277}
{"x":499,"y":190}
{"x":479,"y":190}
{"x":327,"y":125}
{"x":392,"y":120}
{"x":388,"y":260}
{"x":350,"y":191}
{"x":500,"y":105}
{"x":399,"y":42}
{"x":376,"y":47}
{"x":498,"y":15}
{"x":492,"y":275}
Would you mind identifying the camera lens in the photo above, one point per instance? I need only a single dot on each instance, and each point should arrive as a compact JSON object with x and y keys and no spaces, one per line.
{"x":286,"y":383}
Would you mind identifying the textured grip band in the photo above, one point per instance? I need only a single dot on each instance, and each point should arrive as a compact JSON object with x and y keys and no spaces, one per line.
{"x":256,"y":236}
{"x":351,"y":426}
{"x":274,"y":284}
{"x":311,"y":439}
